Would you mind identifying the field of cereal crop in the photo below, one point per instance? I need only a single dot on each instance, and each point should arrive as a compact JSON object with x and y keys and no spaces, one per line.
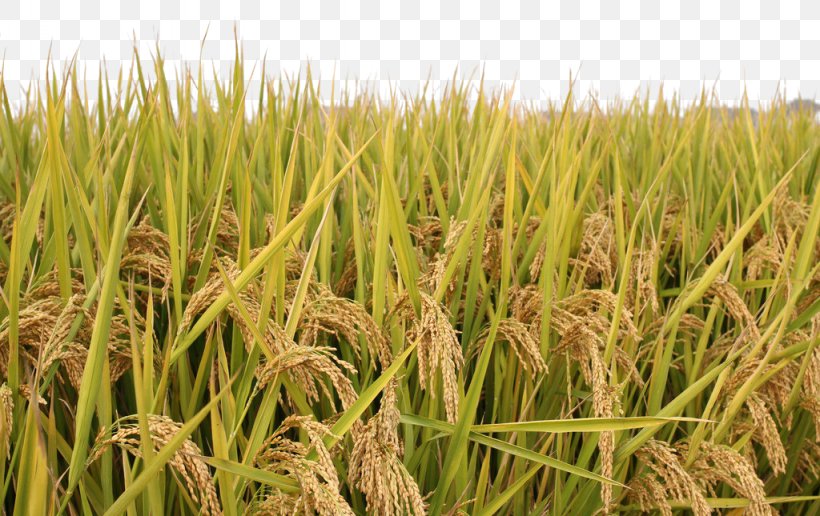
{"x":404,"y":306}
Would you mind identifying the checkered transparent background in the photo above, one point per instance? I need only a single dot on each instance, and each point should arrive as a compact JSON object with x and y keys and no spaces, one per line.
{"x":613,"y":47}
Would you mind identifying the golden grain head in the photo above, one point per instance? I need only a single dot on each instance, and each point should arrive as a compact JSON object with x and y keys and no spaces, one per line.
{"x":376,"y":468}
{"x":767,"y":432}
{"x":668,"y":479}
{"x":522,"y":342}
{"x":6,"y":417}
{"x":186,"y":462}
{"x":719,"y":464}
{"x":439,"y":350}
{"x":597,"y":256}
{"x":318,"y":480}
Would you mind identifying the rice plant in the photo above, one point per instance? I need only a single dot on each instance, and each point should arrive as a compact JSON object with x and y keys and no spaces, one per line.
{"x":398,"y":305}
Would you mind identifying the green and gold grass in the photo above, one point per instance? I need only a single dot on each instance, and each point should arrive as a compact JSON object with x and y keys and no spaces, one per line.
{"x":400,"y":306}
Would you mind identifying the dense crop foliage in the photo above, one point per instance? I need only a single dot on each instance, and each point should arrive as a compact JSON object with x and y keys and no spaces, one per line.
{"x":394,"y":305}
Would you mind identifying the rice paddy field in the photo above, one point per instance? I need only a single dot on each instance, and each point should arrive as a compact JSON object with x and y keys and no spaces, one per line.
{"x":393,"y":305}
